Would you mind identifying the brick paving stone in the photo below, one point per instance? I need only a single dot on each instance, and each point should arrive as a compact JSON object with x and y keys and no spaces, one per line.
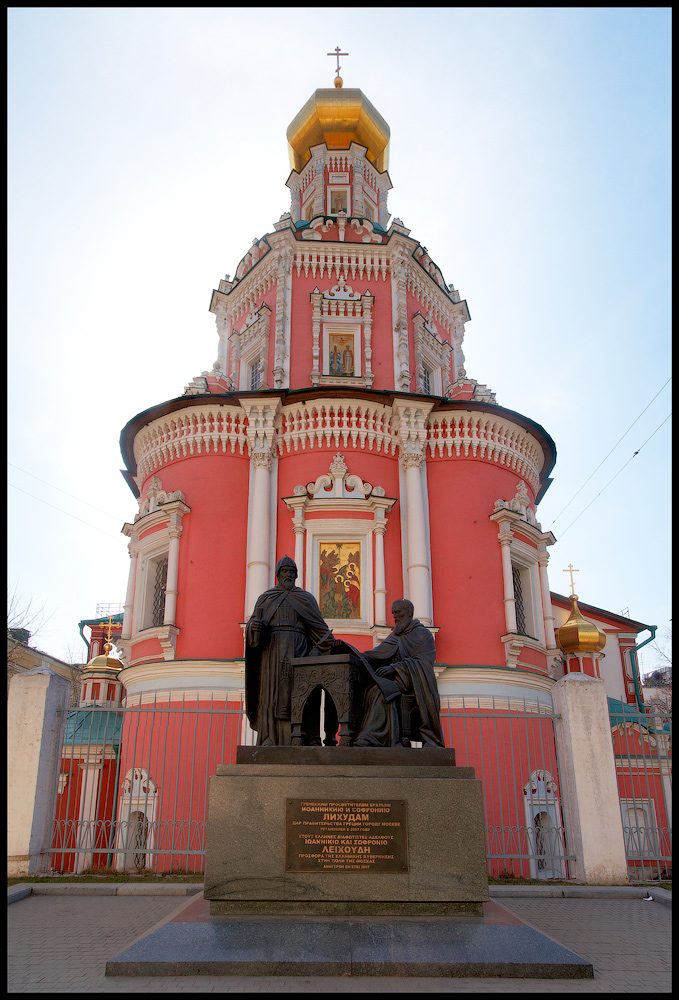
{"x":60,"y":944}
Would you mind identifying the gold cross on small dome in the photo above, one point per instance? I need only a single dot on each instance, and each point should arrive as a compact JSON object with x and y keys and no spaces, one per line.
{"x":571,"y":570}
{"x":337,"y":53}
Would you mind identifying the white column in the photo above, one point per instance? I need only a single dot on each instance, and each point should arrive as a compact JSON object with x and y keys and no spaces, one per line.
{"x":547,"y":608}
{"x":588,"y":781}
{"x":172,"y":571}
{"x":258,"y":548}
{"x":299,"y":530}
{"x":508,"y":580}
{"x":418,"y":564}
{"x":261,"y":413}
{"x":128,"y":607}
{"x":380,"y":578}
{"x":34,"y":704}
{"x":89,"y":789}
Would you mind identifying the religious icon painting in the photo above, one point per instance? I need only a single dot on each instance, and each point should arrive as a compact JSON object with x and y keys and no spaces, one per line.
{"x":341,"y":353}
{"x":339,"y":574}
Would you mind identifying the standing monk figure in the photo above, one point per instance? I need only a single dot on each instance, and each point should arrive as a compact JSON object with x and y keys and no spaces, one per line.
{"x":285,"y":623}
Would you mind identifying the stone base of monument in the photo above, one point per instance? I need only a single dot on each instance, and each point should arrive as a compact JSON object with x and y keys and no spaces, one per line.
{"x":345,"y":861}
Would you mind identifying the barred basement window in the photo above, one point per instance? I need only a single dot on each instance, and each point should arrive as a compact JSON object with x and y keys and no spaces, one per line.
{"x":159,"y":587}
{"x":518,"y":601}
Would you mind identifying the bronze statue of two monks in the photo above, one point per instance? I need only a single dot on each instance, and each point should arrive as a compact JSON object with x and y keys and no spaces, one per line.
{"x":399,"y":700}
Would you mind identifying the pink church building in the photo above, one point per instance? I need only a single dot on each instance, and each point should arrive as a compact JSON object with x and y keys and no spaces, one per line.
{"x":339,"y":425}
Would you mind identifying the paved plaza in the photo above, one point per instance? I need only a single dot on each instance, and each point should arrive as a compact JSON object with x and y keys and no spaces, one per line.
{"x":60,"y":944}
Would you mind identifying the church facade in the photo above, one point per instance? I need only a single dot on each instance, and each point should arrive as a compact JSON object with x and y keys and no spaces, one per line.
{"x":338,"y":425}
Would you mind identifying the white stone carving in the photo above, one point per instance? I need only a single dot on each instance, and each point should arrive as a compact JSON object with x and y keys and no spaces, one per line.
{"x":155,"y":497}
{"x":520,"y":504}
{"x":338,"y":484}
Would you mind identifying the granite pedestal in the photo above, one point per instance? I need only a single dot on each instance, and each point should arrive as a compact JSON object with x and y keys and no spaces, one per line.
{"x":346,"y":861}
{"x":415,"y":846}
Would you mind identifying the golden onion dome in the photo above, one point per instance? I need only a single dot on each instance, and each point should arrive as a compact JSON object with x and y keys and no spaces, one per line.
{"x":578,"y":634}
{"x":338,"y":117}
{"x":106,"y":662}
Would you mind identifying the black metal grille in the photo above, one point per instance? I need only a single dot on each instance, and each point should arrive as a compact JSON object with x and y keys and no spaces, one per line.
{"x":159,"y":592}
{"x":518,"y":601}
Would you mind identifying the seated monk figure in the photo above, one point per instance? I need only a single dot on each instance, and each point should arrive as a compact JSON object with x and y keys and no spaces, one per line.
{"x":407,"y":657}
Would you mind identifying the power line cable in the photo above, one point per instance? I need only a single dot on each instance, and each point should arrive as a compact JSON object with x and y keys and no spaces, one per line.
{"x":610,"y":453}
{"x":62,"y":511}
{"x":72,"y":495}
{"x":615,"y":476}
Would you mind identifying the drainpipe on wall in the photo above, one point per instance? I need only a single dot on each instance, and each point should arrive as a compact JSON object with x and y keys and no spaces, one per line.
{"x":635,"y":665}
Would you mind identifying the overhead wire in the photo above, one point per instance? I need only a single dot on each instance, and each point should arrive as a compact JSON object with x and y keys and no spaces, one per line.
{"x":610,"y":453}
{"x":58,"y":488}
{"x":616,"y":475}
{"x":63,"y":511}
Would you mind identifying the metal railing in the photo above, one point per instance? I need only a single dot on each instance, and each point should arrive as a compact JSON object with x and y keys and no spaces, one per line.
{"x":642,"y":747}
{"x":132,"y":787}
{"x":511,"y":744}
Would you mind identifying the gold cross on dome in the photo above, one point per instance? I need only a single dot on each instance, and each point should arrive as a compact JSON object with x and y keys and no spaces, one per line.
{"x":337,"y":53}
{"x":571,"y":570}
{"x":109,"y":624}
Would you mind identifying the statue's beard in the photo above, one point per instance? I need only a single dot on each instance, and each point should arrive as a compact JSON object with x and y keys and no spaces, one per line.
{"x":287,"y":584}
{"x":402,"y":626}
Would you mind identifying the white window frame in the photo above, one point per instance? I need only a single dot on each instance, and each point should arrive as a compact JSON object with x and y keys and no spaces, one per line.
{"x":543,"y":801}
{"x":435,"y":378}
{"x":248,"y":359}
{"x":338,"y":189}
{"x":353,"y":329}
{"x":132,"y":800}
{"x":369,"y":203}
{"x":525,"y":559}
{"x":340,"y":530}
{"x":150,"y":561}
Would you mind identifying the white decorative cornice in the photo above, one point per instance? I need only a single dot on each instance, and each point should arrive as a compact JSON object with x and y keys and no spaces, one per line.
{"x":336,"y":423}
{"x":182,"y":680}
{"x":166,"y":636}
{"x":474,"y":434}
{"x":510,"y":521}
{"x":476,"y":681}
{"x":210,"y":427}
{"x":169,"y":513}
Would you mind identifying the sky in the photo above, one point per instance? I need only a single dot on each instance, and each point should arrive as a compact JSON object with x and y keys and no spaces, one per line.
{"x":530,"y":153}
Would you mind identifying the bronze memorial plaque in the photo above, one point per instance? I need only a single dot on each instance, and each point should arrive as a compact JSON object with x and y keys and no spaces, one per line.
{"x":344,"y":836}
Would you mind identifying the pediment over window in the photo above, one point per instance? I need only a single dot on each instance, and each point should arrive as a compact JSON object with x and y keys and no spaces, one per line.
{"x":339,"y":490}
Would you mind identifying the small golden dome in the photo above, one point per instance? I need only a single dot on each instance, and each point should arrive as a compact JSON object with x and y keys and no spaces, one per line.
{"x":106,"y":662}
{"x":339,"y":82}
{"x":338,"y":117}
{"x":577,"y":634}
